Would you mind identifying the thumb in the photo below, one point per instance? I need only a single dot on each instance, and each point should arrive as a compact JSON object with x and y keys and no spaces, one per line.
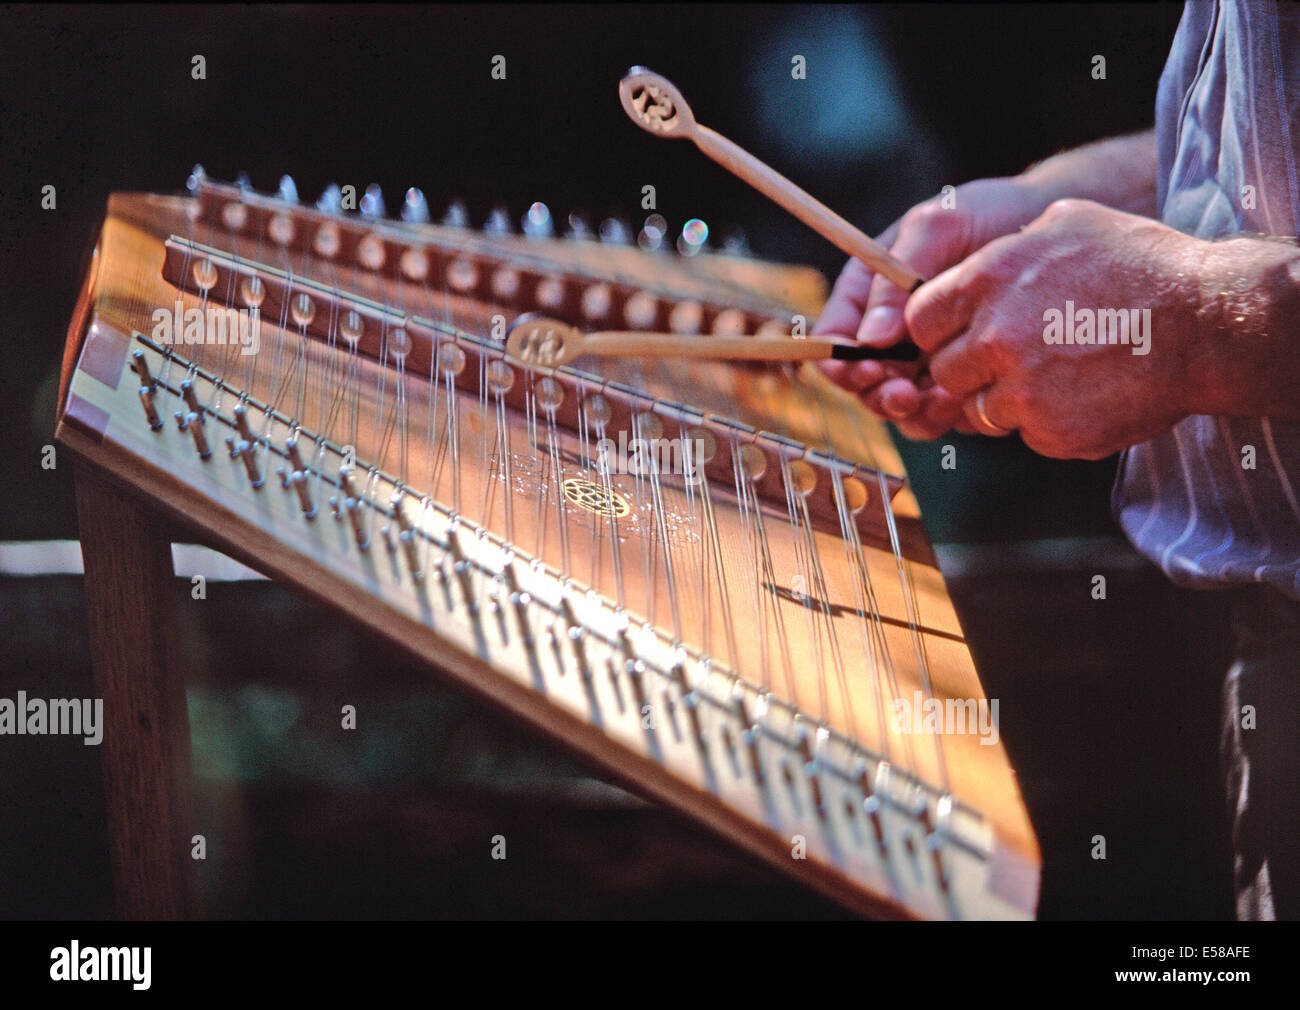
{"x":930,"y":240}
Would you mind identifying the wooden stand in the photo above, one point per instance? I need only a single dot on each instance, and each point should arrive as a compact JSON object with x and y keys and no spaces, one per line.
{"x":146,"y":748}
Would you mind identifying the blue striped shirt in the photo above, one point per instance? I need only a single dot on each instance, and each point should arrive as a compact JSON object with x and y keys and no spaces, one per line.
{"x":1227,"y":126}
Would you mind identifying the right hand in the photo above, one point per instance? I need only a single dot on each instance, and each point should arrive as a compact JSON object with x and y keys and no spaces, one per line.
{"x":930,"y":238}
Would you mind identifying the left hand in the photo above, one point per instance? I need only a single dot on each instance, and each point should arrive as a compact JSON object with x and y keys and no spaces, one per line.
{"x":983,"y":323}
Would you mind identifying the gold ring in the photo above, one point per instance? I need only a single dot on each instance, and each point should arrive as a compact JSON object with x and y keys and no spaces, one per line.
{"x":983,"y":413}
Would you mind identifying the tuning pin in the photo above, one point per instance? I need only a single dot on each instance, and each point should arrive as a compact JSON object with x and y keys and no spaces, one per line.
{"x":537,"y":222}
{"x":615,"y":232}
{"x":457,"y":216}
{"x":694,"y":234}
{"x":243,"y":182}
{"x":579,"y":227}
{"x":653,"y":233}
{"x":150,"y":411}
{"x":734,"y":242}
{"x":372,"y":203}
{"x":415,"y":208}
{"x":331,"y":201}
{"x":288,"y":191}
{"x":193,"y":423}
{"x":498,"y":222}
{"x":197,"y":175}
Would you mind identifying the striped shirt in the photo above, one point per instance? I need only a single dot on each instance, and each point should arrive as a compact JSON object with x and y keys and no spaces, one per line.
{"x":1227,"y":129}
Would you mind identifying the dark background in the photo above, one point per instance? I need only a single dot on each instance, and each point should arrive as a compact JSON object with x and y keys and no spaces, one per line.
{"x":1108,"y":709}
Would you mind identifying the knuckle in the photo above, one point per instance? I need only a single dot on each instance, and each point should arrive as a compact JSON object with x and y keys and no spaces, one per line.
{"x":1062,"y":208}
{"x":928,"y":219}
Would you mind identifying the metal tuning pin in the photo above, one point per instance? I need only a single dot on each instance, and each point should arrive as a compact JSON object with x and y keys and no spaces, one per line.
{"x":141,"y":366}
{"x":578,"y":228}
{"x":871,"y":803}
{"x":615,"y":232}
{"x":196,"y":178}
{"x":576,"y":634}
{"x":635,"y":671}
{"x":147,"y":389}
{"x":735,"y":242}
{"x":498,"y":222}
{"x":460,"y":566}
{"x":353,"y":509}
{"x":331,"y":201}
{"x":520,"y":600}
{"x":288,"y":191}
{"x":690,"y":702}
{"x":372,"y":202}
{"x":810,"y":770}
{"x":406,"y":537}
{"x":934,"y":837}
{"x":191,"y":398}
{"x":345,"y":485}
{"x":150,"y":411}
{"x":457,"y":216}
{"x":537,"y":222}
{"x":244,"y":445}
{"x":291,"y":450}
{"x":193,"y":423}
{"x":241,"y":423}
{"x":749,"y":734}
{"x":415,"y":208}
{"x":296,"y":475}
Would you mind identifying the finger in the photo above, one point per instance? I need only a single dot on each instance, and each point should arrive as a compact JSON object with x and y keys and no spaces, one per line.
{"x":941,"y":308}
{"x":938,"y":414}
{"x":899,"y":398}
{"x":930,"y":240}
{"x":843,"y":310}
{"x":962,"y":366}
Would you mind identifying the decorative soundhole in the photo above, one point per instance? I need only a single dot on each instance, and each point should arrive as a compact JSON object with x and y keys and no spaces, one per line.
{"x":595,"y":498}
{"x":655,"y":108}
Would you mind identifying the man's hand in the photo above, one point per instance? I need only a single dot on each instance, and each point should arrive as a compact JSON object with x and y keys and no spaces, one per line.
{"x":983,"y":324}
{"x":931,"y":238}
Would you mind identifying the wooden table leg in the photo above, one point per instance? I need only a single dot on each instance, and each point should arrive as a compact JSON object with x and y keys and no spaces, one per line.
{"x":130,"y":603}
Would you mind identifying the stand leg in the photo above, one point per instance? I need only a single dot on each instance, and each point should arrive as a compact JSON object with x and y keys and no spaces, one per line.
{"x":146,"y":748}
